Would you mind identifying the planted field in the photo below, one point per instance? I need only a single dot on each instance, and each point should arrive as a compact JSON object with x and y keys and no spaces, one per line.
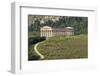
{"x":69,"y":47}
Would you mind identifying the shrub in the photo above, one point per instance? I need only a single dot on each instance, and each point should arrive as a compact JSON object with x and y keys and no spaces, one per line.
{"x":34,"y":40}
{"x":32,"y":57}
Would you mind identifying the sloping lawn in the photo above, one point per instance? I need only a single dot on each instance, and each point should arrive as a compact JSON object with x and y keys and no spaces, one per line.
{"x":69,"y":47}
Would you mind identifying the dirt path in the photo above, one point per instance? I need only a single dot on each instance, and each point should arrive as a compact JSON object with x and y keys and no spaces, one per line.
{"x":35,"y":49}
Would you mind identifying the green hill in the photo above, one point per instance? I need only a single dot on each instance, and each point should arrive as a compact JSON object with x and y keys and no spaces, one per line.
{"x":69,"y":47}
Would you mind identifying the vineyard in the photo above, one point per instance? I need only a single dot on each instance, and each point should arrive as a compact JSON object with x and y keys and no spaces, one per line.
{"x":69,"y":47}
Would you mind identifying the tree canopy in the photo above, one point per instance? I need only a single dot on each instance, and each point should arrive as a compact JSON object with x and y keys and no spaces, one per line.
{"x":80,"y":24}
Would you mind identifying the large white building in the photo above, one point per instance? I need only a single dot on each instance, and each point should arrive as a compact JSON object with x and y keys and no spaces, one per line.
{"x":47,"y":31}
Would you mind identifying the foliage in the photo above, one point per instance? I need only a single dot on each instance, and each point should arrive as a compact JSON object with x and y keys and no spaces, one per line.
{"x":34,"y":40}
{"x":33,"y":34}
{"x":80,"y":24}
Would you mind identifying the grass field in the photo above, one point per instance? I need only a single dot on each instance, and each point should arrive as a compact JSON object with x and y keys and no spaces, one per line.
{"x":69,"y":47}
{"x":32,"y":54}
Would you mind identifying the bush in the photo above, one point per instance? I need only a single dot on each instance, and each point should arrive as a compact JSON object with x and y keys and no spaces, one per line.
{"x":34,"y":40}
{"x":32,"y":57}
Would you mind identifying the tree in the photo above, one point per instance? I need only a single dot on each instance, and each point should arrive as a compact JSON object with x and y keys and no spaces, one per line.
{"x":80,"y":24}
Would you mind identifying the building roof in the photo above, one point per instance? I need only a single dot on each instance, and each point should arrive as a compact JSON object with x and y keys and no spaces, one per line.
{"x":46,"y":28}
{"x":57,"y":29}
{"x":60,"y":29}
{"x":69,"y":27}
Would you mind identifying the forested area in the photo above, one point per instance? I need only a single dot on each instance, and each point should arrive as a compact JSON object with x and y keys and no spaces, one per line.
{"x":80,"y":24}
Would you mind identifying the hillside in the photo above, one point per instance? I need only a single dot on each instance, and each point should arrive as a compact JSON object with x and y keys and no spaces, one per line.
{"x":69,"y":47}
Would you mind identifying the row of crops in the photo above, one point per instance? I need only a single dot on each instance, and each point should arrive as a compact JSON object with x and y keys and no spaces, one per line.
{"x":69,"y":47}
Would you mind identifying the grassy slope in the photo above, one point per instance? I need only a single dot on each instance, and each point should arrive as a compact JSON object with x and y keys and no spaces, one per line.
{"x":32,"y":54}
{"x":64,"y":47}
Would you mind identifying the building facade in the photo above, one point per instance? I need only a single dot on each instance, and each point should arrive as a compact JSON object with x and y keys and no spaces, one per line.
{"x":47,"y":31}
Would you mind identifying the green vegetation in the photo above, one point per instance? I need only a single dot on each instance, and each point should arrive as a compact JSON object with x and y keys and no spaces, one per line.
{"x":69,"y":47}
{"x":33,"y":34}
{"x":66,"y":47}
{"x":31,"y":42}
{"x":80,"y":24}
{"x":31,"y":54}
{"x":34,"y":40}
